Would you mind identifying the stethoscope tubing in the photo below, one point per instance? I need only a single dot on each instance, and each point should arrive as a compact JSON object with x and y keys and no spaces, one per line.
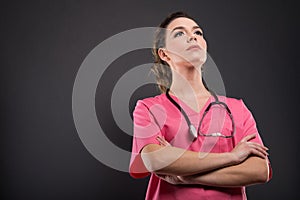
{"x":192,"y":129}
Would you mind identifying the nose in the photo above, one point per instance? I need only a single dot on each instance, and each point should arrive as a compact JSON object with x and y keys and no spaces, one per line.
{"x":191,"y":37}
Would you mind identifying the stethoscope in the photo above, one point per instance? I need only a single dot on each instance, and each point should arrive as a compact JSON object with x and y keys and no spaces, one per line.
{"x":194,"y":133}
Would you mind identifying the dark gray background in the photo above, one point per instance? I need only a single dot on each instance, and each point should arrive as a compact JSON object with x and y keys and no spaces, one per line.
{"x":43,"y":43}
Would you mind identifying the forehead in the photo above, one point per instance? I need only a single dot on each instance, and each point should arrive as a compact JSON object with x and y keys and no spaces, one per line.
{"x":182,"y":21}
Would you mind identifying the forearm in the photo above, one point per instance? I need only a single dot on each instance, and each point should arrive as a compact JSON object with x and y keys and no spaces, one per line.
{"x":180,"y":162}
{"x":253,"y":170}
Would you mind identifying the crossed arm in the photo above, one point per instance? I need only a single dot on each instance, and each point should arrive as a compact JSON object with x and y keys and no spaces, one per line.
{"x":245,"y":165}
{"x":253,"y":170}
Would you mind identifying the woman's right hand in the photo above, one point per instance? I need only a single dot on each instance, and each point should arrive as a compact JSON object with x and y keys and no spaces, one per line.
{"x":245,"y":148}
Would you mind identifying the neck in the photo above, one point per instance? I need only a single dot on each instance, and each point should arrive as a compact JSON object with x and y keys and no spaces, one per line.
{"x":187,"y":82}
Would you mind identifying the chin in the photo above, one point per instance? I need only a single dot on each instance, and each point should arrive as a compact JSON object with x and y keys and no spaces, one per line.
{"x":197,"y":59}
{"x":196,"y":62}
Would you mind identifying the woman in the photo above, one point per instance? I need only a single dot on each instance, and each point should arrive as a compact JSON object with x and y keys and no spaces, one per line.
{"x":192,"y":148}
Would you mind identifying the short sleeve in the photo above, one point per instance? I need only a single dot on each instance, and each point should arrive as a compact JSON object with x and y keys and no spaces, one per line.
{"x":146,"y":128}
{"x":249,"y":124}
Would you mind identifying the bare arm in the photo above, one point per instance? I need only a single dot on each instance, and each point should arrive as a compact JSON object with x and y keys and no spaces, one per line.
{"x":175,"y":161}
{"x":253,"y":170}
{"x":170,"y":160}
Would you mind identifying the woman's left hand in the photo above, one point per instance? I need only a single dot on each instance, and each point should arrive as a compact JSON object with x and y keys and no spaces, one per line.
{"x":163,"y":141}
{"x":174,"y":180}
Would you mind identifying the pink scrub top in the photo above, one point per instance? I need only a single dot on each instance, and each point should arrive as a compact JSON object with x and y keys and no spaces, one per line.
{"x":157,"y":116}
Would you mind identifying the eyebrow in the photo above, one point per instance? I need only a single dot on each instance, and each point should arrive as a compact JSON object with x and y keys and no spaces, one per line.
{"x":181,"y":27}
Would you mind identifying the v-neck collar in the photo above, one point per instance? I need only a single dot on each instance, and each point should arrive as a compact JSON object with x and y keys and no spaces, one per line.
{"x":187,"y":108}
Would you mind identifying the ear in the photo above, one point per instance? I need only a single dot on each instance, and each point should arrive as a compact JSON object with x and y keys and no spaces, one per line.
{"x":163,"y":55}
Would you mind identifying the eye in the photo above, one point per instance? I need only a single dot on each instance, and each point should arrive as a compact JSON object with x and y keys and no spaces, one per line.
{"x":198,"y":33}
{"x":180,"y":33}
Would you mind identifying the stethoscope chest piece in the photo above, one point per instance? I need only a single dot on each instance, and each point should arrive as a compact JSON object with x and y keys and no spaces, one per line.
{"x":193,"y":132}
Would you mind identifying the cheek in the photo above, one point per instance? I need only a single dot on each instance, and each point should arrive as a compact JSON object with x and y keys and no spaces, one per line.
{"x":176,"y":50}
{"x":175,"y":46}
{"x":203,"y":44}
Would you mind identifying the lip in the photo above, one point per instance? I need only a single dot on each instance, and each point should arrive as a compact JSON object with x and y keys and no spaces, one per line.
{"x":193,"y":47}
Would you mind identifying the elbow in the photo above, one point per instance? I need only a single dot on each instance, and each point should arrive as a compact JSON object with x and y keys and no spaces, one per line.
{"x":154,"y":163}
{"x":151,"y":162}
{"x":263,"y":174}
{"x":152,"y":159}
{"x":262,"y":177}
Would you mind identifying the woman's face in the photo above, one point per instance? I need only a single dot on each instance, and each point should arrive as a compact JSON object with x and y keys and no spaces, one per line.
{"x":185,"y":44}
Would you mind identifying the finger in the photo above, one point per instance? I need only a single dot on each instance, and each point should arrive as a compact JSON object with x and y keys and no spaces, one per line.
{"x":167,"y":143}
{"x":162,"y":141}
{"x":259,"y":153}
{"x":160,"y":176}
{"x":248,"y":137}
{"x":260,"y":146}
{"x":264,"y":152}
{"x":180,"y":178}
{"x":159,"y":140}
{"x":257,"y":150}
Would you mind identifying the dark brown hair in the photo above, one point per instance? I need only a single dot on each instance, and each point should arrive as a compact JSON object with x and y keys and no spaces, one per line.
{"x":161,"y":69}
